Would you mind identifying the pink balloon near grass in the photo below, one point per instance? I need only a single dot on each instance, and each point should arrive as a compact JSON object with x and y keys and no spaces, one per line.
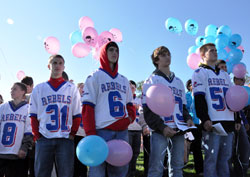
{"x":160,"y":100}
{"x":236,"y":98}
{"x":80,"y":50}
{"x":120,"y":152}
{"x":193,"y":60}
{"x":239,"y":70}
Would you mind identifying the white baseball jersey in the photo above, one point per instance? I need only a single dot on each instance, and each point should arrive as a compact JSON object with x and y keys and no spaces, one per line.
{"x":55,"y":108}
{"x":14,"y":124}
{"x":178,"y":91}
{"x":108,"y":95}
{"x":214,"y":87}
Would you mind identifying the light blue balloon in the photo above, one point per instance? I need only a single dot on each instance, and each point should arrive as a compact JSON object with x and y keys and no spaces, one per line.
{"x":224,"y":29}
{"x":75,"y":37}
{"x":173,"y":25}
{"x":211,"y":30}
{"x":248,"y":92}
{"x":92,"y":150}
{"x":209,"y":39}
{"x":234,"y":41}
{"x":235,"y":56}
{"x":199,"y":40}
{"x":222,"y":54}
{"x":221,"y":41}
{"x":192,"y":49}
{"x":191,"y":27}
{"x":230,"y":67}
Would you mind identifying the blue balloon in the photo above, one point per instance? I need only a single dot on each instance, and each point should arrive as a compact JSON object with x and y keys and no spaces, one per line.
{"x":211,"y":30}
{"x":235,"y":56}
{"x":173,"y":25}
{"x":221,"y":41}
{"x":192,"y":49}
{"x":222,"y":54}
{"x":224,"y":29}
{"x":199,"y":40}
{"x":92,"y":150}
{"x":248,"y":92}
{"x":191,"y":27}
{"x":230,"y":67}
{"x":234,"y":41}
{"x":75,"y":37}
{"x":209,"y":39}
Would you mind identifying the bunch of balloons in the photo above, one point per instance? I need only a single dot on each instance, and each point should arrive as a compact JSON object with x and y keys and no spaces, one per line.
{"x":228,"y":48}
{"x":87,"y":39}
{"x":94,"y":150}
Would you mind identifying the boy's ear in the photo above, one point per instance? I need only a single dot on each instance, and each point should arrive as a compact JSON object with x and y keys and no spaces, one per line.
{"x":49,"y":66}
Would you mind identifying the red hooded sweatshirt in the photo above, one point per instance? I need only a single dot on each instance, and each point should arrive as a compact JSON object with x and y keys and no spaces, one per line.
{"x":88,"y":111}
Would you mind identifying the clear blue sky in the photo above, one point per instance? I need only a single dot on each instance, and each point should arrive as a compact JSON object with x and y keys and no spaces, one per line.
{"x":142,"y":23}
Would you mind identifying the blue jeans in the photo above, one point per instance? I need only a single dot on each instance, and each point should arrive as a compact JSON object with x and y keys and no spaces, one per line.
{"x":159,"y":146}
{"x":60,"y":150}
{"x":218,"y":150}
{"x":135,"y":143}
{"x":112,"y":171}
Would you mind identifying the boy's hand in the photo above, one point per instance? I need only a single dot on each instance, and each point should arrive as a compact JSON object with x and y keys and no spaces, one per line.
{"x":145,"y":131}
{"x":169,"y":132}
{"x":237,"y":126}
{"x":190,"y":123}
{"x":208,"y":126}
{"x":21,"y":154}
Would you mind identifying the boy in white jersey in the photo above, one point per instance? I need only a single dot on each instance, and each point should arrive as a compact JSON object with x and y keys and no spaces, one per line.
{"x":107,"y":106}
{"x":15,"y":133}
{"x":165,"y":128}
{"x":209,"y":87}
{"x":55,"y":112}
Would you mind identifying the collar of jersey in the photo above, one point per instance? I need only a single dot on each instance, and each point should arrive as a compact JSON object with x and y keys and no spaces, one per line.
{"x":56,"y":89}
{"x":169,"y":79}
{"x":217,"y":72}
{"x":108,"y":73}
{"x":14,"y":108}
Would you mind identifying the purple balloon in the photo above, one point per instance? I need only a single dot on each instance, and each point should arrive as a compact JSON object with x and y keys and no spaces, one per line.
{"x":239,"y":71}
{"x":120,"y":152}
{"x":236,"y":98}
{"x":160,"y":100}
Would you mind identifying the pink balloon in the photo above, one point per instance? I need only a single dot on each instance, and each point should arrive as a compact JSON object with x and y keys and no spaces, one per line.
{"x":239,"y":70}
{"x":160,"y":100}
{"x":52,"y":45}
{"x":198,"y":51}
{"x":227,"y":49}
{"x":241,"y":48}
{"x":90,"y":36}
{"x":105,"y":37}
{"x":20,"y":75}
{"x":96,"y":53}
{"x":236,"y":98}
{"x":117,"y":34}
{"x":193,"y":60}
{"x":120,"y":152}
{"x":80,"y":50}
{"x":85,"y":22}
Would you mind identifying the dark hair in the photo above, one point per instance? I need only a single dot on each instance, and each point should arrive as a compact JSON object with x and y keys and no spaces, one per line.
{"x":112,"y":44}
{"x":132,"y":82}
{"x":27,"y":80}
{"x":1,"y":98}
{"x":159,"y":51}
{"x":65,"y":76}
{"x":218,"y":62}
{"x":188,"y":84}
{"x":204,"y":48}
{"x":22,"y":86}
{"x":55,"y":56}
{"x":243,"y":79}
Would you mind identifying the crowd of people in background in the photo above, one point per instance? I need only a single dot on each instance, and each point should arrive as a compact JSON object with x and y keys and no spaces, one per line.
{"x":41,"y":127}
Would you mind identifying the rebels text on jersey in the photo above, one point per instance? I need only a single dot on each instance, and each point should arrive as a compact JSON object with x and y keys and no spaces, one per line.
{"x":55,"y":108}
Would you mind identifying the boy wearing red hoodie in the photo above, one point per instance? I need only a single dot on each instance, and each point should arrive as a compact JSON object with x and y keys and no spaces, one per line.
{"x":55,"y":112}
{"x":107,"y":106}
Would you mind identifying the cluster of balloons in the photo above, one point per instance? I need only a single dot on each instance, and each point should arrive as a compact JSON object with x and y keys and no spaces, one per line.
{"x":237,"y":97}
{"x":160,"y":100}
{"x":87,"y":39}
{"x":228,"y":48}
{"x":93,"y":150}
{"x":174,"y":25}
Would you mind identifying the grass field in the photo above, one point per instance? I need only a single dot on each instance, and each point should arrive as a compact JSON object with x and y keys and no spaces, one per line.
{"x":188,"y":171}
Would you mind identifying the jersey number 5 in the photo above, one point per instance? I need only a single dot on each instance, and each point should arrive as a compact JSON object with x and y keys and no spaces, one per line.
{"x":216,"y":96}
